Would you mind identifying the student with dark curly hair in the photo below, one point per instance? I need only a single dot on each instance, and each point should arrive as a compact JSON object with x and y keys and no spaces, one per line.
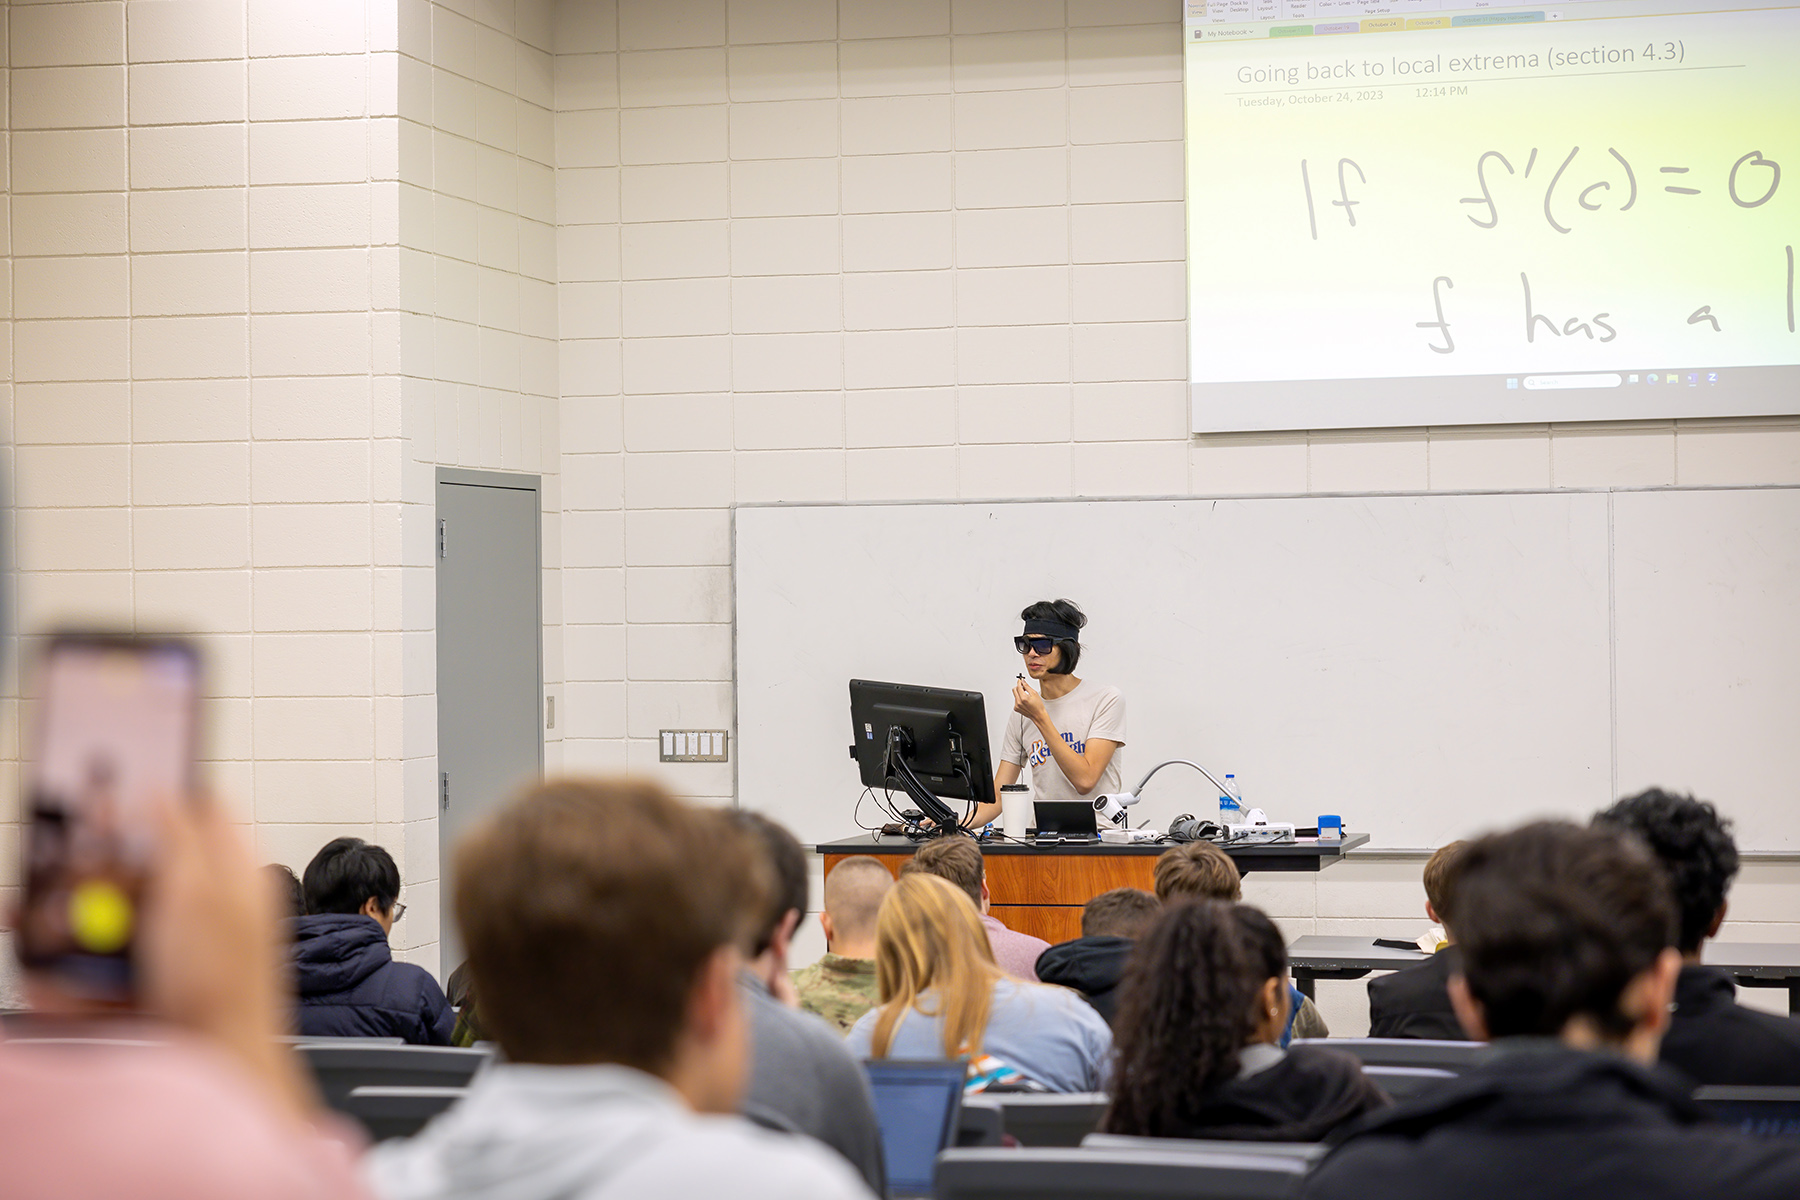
{"x":1202,"y":1008}
{"x":1069,"y":732}
{"x":1711,"y":1036}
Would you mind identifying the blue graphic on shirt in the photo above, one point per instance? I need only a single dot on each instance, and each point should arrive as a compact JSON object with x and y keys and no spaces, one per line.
{"x":1040,"y":753}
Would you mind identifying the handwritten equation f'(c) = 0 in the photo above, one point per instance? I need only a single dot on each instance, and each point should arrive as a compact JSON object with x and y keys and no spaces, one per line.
{"x":1343,"y":201}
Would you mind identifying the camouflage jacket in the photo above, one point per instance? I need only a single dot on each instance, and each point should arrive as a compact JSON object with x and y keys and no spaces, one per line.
{"x":837,"y":988}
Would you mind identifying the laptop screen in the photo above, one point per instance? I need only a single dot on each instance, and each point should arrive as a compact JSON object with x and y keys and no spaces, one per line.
{"x":917,"y":1105}
{"x":1067,"y":818}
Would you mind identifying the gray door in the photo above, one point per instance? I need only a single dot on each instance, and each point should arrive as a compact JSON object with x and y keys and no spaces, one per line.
{"x":490,"y":668}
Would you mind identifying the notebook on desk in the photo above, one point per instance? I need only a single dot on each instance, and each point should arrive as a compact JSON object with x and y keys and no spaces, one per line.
{"x":1070,"y":820}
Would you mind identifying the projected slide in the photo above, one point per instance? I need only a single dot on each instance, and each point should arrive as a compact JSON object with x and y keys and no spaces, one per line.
{"x":1414,"y":213}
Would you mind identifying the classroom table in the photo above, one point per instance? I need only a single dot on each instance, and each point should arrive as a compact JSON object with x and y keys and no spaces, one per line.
{"x":1322,"y":956}
{"x":1039,"y":889}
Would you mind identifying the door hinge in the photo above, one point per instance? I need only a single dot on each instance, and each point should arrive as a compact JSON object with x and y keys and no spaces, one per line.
{"x":443,"y":541}
{"x":444,"y":790}
{"x":549,"y":712}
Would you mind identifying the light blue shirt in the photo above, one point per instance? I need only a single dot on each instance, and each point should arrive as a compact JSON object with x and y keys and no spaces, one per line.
{"x":1048,"y":1033}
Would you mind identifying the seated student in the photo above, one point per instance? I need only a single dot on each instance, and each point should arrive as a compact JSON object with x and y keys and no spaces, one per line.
{"x":1201,"y":1011}
{"x":841,"y":986}
{"x":1711,"y":1037}
{"x":944,"y":996}
{"x":1415,"y":1002}
{"x":197,"y":1098}
{"x":1202,"y":871}
{"x":801,"y":1077}
{"x":607,"y":967}
{"x":1094,"y":963}
{"x":958,"y":859}
{"x":1563,"y":938}
{"x":349,"y":983}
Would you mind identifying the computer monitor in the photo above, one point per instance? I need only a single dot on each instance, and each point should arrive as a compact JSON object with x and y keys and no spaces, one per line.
{"x":917,"y":1106}
{"x":928,"y":742}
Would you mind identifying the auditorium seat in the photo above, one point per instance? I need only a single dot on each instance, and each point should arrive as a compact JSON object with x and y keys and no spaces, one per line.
{"x":1092,"y":1174}
{"x":1403,"y":1083}
{"x":340,"y":1068}
{"x":1455,"y":1057}
{"x":1039,"y":1119}
{"x":1306,"y":1152}
{"x":397,"y":1112}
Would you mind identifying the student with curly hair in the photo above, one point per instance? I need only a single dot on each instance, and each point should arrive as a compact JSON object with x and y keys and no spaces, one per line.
{"x":1202,"y":1009}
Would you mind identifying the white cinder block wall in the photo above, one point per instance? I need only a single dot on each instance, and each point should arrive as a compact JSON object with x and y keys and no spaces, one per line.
{"x":232,"y":386}
{"x":272,"y":262}
{"x":476,"y":294}
{"x":897,"y":249}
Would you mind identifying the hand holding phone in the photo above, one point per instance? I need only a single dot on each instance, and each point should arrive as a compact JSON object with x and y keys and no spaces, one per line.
{"x":115,"y":737}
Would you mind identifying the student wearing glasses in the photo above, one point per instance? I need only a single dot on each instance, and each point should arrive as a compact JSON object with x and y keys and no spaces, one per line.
{"x":348,"y":982}
{"x":1069,"y":732}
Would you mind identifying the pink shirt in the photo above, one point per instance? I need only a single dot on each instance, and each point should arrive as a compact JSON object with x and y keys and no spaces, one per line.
{"x":162,"y":1122}
{"x":1017,"y":953}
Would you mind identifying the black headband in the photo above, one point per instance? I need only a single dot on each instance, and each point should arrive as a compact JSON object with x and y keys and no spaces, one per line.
{"x":1055,"y":629}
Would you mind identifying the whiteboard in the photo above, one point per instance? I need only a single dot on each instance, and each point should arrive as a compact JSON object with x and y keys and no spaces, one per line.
{"x":1427,"y":666}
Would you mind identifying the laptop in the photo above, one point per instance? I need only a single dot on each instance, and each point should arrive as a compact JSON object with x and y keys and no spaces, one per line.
{"x":1758,"y":1111}
{"x":917,"y":1105}
{"x":1070,"y":820}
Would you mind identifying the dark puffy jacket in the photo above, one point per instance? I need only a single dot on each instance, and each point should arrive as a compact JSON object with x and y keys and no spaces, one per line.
{"x":350,"y":985}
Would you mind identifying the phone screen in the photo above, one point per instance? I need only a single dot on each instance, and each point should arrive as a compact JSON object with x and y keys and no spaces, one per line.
{"x":115,"y":733}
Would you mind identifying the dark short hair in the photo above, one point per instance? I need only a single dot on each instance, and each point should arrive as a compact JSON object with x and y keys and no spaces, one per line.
{"x":1553,"y":920}
{"x":1197,"y":869}
{"x":587,"y":922}
{"x":952,"y":857}
{"x":1069,"y":613}
{"x":1440,"y":873}
{"x":347,"y":873}
{"x":1123,"y":912}
{"x":787,"y":866}
{"x":1693,"y":843}
{"x":1187,"y":1006}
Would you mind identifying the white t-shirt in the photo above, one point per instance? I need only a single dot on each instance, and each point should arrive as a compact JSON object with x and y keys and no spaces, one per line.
{"x":1092,"y":710}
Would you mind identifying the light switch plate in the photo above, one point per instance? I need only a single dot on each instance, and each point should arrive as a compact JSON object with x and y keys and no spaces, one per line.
{"x":694,"y":745}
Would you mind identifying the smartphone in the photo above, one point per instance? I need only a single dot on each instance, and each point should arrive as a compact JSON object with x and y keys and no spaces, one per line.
{"x":114,"y":733}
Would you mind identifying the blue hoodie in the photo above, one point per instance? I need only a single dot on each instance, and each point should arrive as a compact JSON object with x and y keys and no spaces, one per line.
{"x":350,"y":985}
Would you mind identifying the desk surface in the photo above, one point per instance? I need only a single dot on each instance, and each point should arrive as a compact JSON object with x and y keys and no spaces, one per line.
{"x":1320,"y":952}
{"x":1305,"y":854}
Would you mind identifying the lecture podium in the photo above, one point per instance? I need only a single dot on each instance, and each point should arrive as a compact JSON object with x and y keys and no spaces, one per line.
{"x":1040,"y":890}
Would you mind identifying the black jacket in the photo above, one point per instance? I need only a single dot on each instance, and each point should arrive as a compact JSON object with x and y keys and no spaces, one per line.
{"x":350,"y":985}
{"x":1414,"y":1002}
{"x":1546,"y":1122}
{"x":1715,"y":1040}
{"x":1305,"y":1096}
{"x":1092,"y":966}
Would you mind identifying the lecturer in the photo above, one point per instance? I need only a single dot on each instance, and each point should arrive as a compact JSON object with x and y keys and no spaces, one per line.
{"x":1072,"y":732}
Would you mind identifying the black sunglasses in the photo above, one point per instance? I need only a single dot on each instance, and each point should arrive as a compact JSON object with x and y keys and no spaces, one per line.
{"x":1040,"y":646}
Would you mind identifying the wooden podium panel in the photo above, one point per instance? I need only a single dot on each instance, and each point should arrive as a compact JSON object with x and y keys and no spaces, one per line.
{"x":1041,"y":891}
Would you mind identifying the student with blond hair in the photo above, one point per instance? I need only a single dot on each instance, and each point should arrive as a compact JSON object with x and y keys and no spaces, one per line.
{"x":944,"y":996}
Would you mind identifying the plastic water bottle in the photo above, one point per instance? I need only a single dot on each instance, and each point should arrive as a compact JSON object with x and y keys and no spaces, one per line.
{"x":1231,"y":804}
